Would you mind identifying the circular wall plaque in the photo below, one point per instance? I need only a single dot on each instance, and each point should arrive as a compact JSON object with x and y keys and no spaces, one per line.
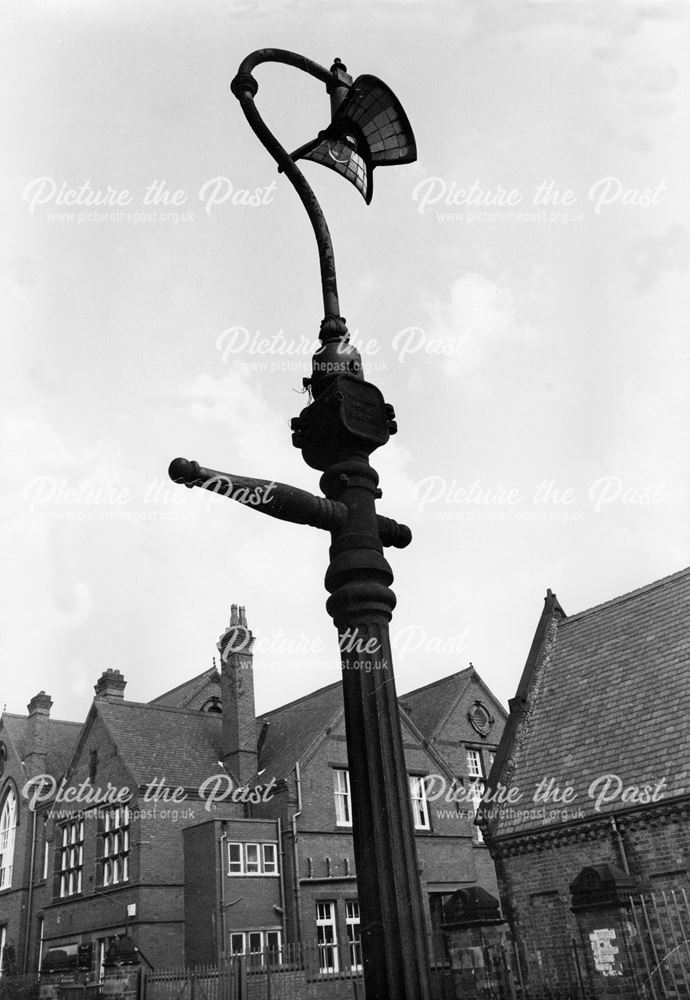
{"x":480,"y":718}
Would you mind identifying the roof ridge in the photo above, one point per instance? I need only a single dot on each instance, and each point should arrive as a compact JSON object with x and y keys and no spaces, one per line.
{"x":25,"y":718}
{"x":150,"y":707}
{"x":624,"y":598}
{"x":297,"y":701}
{"x":197,"y":677}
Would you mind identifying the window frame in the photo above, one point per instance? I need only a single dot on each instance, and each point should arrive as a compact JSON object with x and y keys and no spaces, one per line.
{"x":69,"y":847}
{"x":472,"y":753}
{"x":9,"y":821}
{"x":475,"y":792}
{"x":354,"y":941}
{"x":261,"y":871}
{"x":115,"y":844}
{"x":419,"y":802}
{"x":342,"y":797}
{"x":3,"y":943}
{"x":325,"y":946}
{"x":244,"y":937}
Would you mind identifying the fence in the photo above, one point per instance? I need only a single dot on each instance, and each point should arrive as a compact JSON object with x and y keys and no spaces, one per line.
{"x":659,"y":938}
{"x":555,"y":961}
{"x":651,"y":953}
{"x":293,"y":972}
{"x":19,"y":987}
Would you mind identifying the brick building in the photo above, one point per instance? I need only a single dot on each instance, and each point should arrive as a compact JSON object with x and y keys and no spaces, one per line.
{"x":235,"y":834}
{"x":596,"y":752}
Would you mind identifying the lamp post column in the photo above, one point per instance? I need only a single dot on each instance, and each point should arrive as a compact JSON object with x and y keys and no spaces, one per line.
{"x":392,"y":928}
{"x":337,"y":432}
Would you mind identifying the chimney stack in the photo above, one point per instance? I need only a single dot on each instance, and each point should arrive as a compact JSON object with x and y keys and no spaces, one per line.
{"x":111,"y":685}
{"x":37,"y":733}
{"x":240,"y":754}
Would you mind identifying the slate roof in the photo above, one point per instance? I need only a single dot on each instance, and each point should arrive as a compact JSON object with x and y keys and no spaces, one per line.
{"x":183,"y":694}
{"x":163,"y":739}
{"x":182,"y":747}
{"x":62,"y":739}
{"x":613,"y":698}
{"x":429,"y":706}
{"x":292,"y":729}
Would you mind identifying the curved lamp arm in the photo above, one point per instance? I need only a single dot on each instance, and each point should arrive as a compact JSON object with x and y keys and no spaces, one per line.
{"x":244,"y":87}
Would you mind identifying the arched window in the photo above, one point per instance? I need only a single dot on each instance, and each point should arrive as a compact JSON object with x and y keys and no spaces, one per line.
{"x":8,"y":826}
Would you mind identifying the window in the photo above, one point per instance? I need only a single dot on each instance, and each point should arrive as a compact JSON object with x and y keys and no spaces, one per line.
{"x":252,"y":859}
{"x":46,"y":860}
{"x":40,"y":942}
{"x":326,"y":937}
{"x":474,"y":763}
{"x":235,"y":856}
{"x":252,"y":865}
{"x":3,"y":940}
{"x":475,"y":792}
{"x":70,"y":858}
{"x":270,"y":859}
{"x":420,"y":807}
{"x":102,"y":948}
{"x":115,"y":845}
{"x":256,"y":942}
{"x":353,"y":944}
{"x":341,"y":790}
{"x":8,"y":826}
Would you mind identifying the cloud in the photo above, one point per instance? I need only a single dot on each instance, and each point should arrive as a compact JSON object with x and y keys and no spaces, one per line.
{"x":258,"y":433}
{"x":477,"y":324}
{"x":652,"y":257}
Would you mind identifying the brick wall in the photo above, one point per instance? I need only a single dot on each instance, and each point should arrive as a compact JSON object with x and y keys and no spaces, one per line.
{"x":218,"y":903}
{"x":657,"y":850}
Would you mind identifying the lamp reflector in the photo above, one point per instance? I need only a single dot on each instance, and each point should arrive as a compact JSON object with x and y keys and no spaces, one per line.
{"x":369,"y":129}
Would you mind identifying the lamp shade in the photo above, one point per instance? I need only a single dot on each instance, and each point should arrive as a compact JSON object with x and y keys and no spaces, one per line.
{"x":369,"y":129}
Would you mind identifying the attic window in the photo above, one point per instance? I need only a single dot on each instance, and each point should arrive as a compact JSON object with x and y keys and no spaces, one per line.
{"x":480,"y":718}
{"x":212,"y":705}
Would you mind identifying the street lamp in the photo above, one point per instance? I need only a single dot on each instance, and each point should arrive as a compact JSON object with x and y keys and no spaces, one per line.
{"x":345,"y":422}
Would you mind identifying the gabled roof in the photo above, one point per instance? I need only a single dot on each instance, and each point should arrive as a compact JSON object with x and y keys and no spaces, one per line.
{"x":182,"y":747}
{"x":183,"y":694}
{"x":294,"y":727}
{"x":430,"y":705}
{"x":62,"y":738}
{"x":604,"y":692}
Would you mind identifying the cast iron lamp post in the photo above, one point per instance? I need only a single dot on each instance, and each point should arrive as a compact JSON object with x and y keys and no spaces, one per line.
{"x":345,"y":422}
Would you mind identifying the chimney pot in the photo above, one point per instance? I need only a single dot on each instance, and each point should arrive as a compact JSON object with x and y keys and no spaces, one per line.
{"x":111,"y":684}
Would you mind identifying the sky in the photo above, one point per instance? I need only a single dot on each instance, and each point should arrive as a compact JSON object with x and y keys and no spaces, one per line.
{"x":519,"y":294}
